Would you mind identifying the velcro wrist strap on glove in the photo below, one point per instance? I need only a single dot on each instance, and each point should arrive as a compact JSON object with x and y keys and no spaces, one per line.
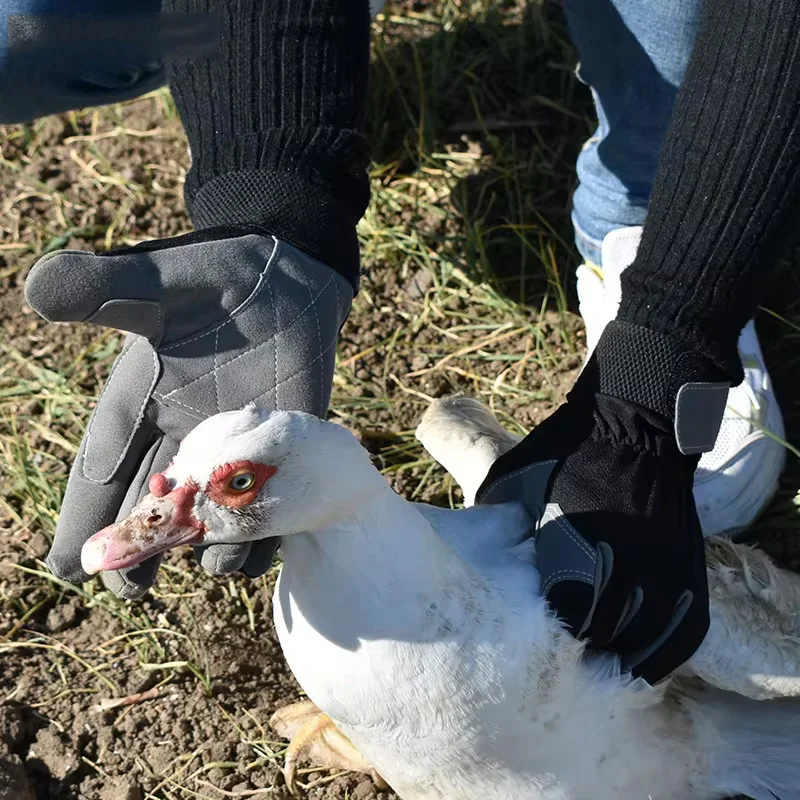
{"x":663,"y":375}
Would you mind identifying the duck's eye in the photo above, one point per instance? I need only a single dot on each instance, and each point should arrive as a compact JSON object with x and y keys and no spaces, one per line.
{"x":241,"y":481}
{"x":237,"y":484}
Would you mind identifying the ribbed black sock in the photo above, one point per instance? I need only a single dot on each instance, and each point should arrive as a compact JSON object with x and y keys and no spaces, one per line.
{"x":727,"y":195}
{"x":275,"y":122}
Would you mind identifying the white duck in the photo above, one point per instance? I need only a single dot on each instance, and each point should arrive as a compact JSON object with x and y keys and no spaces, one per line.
{"x":421,"y":635}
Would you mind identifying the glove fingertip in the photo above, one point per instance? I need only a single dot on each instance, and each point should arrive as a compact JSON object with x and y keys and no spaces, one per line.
{"x":678,"y":644}
{"x":122,"y":587}
{"x":46,"y":291}
{"x":133,"y":582}
{"x":573,"y":603}
{"x":67,"y":568}
{"x":222,"y":559}
{"x":261,"y":557}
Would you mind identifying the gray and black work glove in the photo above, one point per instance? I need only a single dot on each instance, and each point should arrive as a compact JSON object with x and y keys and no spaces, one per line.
{"x":609,"y":478}
{"x":218,"y":319}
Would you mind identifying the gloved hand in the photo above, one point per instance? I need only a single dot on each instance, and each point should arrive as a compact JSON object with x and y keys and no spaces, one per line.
{"x":609,"y":478}
{"x":218,"y":319}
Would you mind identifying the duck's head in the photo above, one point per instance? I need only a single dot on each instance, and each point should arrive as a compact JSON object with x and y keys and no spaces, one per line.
{"x":239,"y":476}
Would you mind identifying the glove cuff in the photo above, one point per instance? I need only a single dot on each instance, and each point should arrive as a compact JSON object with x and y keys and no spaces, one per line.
{"x":663,"y":375}
{"x":289,"y":205}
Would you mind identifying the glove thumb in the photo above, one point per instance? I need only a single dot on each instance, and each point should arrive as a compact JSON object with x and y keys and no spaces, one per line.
{"x":162,"y":290}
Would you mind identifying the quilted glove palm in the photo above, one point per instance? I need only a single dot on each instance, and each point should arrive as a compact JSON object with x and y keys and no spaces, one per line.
{"x":217,"y":319}
{"x":609,"y":478}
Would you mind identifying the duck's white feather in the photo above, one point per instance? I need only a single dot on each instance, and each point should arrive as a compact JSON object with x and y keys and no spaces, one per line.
{"x":446,"y":670}
{"x":421,"y":633}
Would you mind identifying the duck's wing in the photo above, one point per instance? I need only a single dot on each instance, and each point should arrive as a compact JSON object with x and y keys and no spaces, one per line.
{"x":753,"y":644}
{"x":465,"y":438}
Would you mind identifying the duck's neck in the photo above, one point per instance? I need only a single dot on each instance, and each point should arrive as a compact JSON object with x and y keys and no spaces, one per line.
{"x":376,"y":573}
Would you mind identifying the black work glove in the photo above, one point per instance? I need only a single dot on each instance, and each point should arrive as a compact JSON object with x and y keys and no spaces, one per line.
{"x":218,"y":319}
{"x":609,"y":477}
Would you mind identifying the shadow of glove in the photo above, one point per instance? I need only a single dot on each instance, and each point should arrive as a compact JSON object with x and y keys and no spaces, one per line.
{"x":217,"y":319}
{"x":609,"y":478}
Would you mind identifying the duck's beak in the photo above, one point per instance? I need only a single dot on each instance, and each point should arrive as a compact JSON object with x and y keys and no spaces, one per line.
{"x":158,"y":523}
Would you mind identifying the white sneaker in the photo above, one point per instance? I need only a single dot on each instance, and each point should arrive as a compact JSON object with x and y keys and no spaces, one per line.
{"x":738,"y":478}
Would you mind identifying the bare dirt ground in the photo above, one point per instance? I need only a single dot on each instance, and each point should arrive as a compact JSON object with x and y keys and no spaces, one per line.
{"x":468,"y":286}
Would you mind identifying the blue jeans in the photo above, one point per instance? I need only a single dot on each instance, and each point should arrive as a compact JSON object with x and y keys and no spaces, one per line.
{"x":633,"y":55}
{"x":57,"y":55}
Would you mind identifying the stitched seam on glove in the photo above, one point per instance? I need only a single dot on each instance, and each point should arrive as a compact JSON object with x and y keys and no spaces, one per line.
{"x":557,"y":576}
{"x":159,"y":398}
{"x":137,"y":423}
{"x":515,"y":474}
{"x":567,"y":527}
{"x":251,"y":349}
{"x":275,"y":352}
{"x":168,"y":399}
{"x":299,"y":371}
{"x":316,"y":320}
{"x":236,"y":311}
{"x":216,"y":370}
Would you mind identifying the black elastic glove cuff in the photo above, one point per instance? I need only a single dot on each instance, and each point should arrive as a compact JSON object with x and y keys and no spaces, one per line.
{"x":297,"y":208}
{"x":648,"y":368}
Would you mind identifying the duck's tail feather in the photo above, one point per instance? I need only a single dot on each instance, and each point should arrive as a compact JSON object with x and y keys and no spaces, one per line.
{"x":465,"y":438}
{"x":753,"y":644}
{"x":758,"y":752}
